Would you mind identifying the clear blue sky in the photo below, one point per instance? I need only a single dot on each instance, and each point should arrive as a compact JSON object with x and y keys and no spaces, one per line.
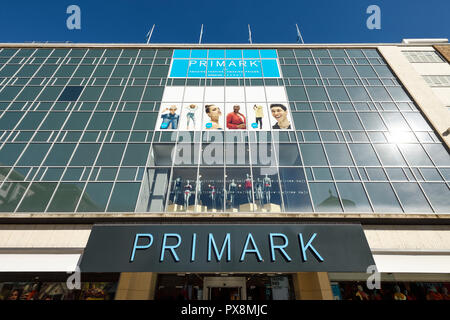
{"x":178,"y":21}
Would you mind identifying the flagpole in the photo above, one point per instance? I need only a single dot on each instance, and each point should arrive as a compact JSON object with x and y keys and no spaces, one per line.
{"x":299,"y":35}
{"x":149,"y":34}
{"x":250,"y":34}
{"x":201,"y":35}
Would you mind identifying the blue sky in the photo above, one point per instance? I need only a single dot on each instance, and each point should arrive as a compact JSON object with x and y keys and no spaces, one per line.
{"x":272,"y":21}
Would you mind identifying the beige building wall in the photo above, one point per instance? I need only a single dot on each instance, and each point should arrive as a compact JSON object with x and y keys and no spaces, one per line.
{"x":428,"y":101}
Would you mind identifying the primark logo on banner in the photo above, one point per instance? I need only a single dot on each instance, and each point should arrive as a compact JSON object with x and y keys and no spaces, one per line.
{"x":218,"y":63}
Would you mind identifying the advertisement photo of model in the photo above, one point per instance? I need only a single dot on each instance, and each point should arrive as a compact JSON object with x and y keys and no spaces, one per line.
{"x":280,"y":115}
{"x":213,"y":119}
{"x":190,"y":118}
{"x":170,"y":118}
{"x":236,"y":119}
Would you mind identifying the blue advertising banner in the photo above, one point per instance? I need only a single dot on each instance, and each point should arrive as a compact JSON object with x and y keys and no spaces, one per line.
{"x":219,"y":63}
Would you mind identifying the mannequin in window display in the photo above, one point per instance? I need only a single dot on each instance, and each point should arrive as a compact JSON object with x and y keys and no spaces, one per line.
{"x":232,"y":189}
{"x":445,"y":294}
{"x":187,"y":194}
{"x":190,"y":115}
{"x":259,"y":192}
{"x":433,"y":294}
{"x":360,"y":294}
{"x":212,"y":196}
{"x":267,"y":185}
{"x":248,"y":188}
{"x":176,"y":189}
{"x":398,"y":295}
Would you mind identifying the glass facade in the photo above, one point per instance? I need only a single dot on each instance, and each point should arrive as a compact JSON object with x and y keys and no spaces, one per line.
{"x":79,"y":132}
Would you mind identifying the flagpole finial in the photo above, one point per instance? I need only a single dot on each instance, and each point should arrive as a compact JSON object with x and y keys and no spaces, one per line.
{"x":201,"y":34}
{"x":299,"y":35}
{"x":249,"y":34}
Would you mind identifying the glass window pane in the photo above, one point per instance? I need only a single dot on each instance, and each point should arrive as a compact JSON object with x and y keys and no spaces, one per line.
{"x":353,"y":197}
{"x":372,"y":121}
{"x":431,"y":174}
{"x":296,"y":93}
{"x":73,"y":174}
{"x":347,"y":72}
{"x":288,"y":154}
{"x":324,"y":197}
{"x":123,"y":121}
{"x":411,"y":197}
{"x":304,"y":121}
{"x":309,"y":72}
{"x":382,"y":197}
{"x":34,"y":154}
{"x":110,"y":155}
{"x":364,"y":154}
{"x":438,"y":154}
{"x":10,"y":119}
{"x":389,"y":155}
{"x":313,"y":155}
{"x":295,"y":190}
{"x":85,"y":154}
{"x":341,"y":174}
{"x":395,"y":121}
{"x":100,"y":121}
{"x":95,"y":197}
{"x":358,"y":94}
{"x":417,"y":122}
{"x":71,"y":93}
{"x":376,"y":174}
{"x":145,"y":121}
{"x":322,"y":174}
{"x":124,"y":197}
{"x":338,"y":154}
{"x":11,"y":194}
{"x":53,"y":174}
{"x":31,"y":121}
{"x":415,"y":155}
{"x":338,"y":94}
{"x":59,"y":154}
{"x":316,"y":93}
{"x":379,"y":94}
{"x":10,"y":152}
{"x":326,"y":121}
{"x":349,"y":121}
{"x":66,"y":197}
{"x":37,"y":197}
{"x":396,"y":174}
{"x":54,"y":121}
{"x":439,"y":195}
{"x":136,"y":154}
{"x":77,"y":121}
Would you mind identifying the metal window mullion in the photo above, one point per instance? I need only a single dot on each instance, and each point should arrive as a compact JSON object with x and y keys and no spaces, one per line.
{"x":146,"y":135}
{"x":128,"y":139}
{"x":84,"y":131}
{"x":34,"y":134}
{"x":323,"y":145}
{"x":296,"y":138}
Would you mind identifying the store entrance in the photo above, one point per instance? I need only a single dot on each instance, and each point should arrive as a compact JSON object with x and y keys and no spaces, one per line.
{"x":224,"y":288}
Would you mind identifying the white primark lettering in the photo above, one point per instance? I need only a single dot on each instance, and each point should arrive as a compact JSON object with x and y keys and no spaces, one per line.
{"x":202,"y":63}
{"x":242,"y":63}
{"x":253,"y":64}
{"x":193,"y":310}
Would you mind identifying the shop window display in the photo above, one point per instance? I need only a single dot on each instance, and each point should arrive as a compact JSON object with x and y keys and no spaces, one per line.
{"x":392,"y":291}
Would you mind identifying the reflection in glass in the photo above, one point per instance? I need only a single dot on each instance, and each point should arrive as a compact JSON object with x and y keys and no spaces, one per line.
{"x":324,"y":197}
{"x":411,"y":197}
{"x":439,"y":195}
{"x":353,"y":197}
{"x":124,"y":197}
{"x":382,"y":197}
{"x":295,"y":190}
{"x":66,"y":197}
{"x":37,"y":197}
{"x":10,"y":195}
{"x":95,"y":197}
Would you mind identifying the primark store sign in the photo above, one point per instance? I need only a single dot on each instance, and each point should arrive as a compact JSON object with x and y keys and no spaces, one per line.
{"x":224,"y":63}
{"x":227,"y":248}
